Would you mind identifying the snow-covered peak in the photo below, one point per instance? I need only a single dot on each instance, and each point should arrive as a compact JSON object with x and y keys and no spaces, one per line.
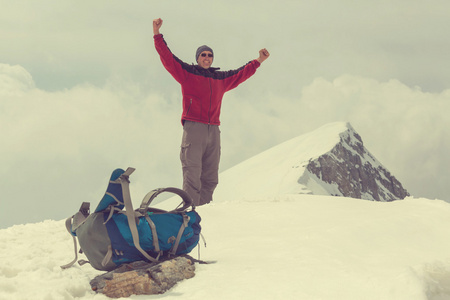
{"x":276,"y":170}
{"x":330,"y":160}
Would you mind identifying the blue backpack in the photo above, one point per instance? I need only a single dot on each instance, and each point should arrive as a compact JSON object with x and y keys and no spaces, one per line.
{"x":111,"y":236}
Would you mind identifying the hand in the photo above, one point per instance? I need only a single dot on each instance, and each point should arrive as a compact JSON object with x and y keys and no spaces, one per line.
{"x":263,"y":55}
{"x":157,"y":23}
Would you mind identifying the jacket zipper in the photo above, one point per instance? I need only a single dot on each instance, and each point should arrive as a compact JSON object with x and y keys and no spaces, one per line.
{"x":210,"y":102}
{"x":189,"y":108}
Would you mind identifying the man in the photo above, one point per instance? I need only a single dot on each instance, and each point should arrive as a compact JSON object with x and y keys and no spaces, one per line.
{"x":202,"y":87}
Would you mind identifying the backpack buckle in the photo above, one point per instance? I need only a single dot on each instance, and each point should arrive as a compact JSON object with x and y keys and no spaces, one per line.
{"x":84,"y":209}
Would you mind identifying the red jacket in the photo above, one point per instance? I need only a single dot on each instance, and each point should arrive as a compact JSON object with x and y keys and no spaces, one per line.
{"x":202,"y":89}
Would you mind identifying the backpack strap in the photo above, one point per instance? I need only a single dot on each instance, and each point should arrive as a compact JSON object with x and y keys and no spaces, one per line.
{"x":131,"y":216}
{"x":154,"y":235}
{"x":187,"y":200}
{"x":72,"y":224}
{"x":108,"y":256}
{"x":69,"y":229}
{"x":173,"y":250}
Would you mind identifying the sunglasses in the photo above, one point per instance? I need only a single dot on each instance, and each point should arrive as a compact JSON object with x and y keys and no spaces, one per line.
{"x":206,"y":54}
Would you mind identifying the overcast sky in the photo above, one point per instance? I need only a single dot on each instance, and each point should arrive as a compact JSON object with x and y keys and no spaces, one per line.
{"x":82,"y":90}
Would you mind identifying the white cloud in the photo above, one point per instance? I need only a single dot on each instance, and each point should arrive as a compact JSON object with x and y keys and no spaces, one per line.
{"x":55,"y":143}
{"x":14,"y":80}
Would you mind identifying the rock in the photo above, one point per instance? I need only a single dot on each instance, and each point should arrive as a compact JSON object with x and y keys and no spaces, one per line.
{"x":350,"y":170}
{"x":142,"y":278}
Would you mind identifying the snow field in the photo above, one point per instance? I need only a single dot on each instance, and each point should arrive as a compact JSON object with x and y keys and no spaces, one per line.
{"x":285,"y":247}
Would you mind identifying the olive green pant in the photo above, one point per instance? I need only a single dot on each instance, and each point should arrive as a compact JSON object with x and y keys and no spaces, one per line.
{"x":200,"y":156}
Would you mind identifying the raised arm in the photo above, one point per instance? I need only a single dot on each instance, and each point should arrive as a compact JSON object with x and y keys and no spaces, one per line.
{"x":172,"y":64}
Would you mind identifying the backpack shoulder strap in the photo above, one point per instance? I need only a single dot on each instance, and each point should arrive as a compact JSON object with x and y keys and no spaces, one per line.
{"x":183,"y":226}
{"x":72,"y":224}
{"x":69,"y":229}
{"x":131,"y":216}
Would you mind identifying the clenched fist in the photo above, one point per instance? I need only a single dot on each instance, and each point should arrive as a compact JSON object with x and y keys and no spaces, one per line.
{"x":263,"y":55}
{"x":157,"y":23}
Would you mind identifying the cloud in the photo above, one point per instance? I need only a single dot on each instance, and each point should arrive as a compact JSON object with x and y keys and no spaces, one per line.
{"x":405,"y":128}
{"x":14,"y":79}
{"x":55,"y":143}
{"x":60,"y":147}
{"x":83,"y":91}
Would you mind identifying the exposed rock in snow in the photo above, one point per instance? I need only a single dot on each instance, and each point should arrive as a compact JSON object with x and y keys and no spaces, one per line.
{"x":141,"y":278}
{"x":331,"y":160}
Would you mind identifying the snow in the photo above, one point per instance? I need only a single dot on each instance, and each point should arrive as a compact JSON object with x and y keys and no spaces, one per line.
{"x":283,"y":247}
{"x":278,"y":169}
{"x":270,"y":244}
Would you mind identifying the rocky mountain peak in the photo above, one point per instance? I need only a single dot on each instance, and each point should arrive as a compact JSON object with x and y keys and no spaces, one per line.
{"x":330,"y":160}
{"x":350,"y":170}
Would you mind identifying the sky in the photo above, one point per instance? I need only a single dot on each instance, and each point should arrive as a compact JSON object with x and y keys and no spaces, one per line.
{"x":82,"y":90}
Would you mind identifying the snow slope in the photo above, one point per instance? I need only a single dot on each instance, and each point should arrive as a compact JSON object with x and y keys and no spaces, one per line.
{"x":283,"y":247}
{"x":277,"y":170}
